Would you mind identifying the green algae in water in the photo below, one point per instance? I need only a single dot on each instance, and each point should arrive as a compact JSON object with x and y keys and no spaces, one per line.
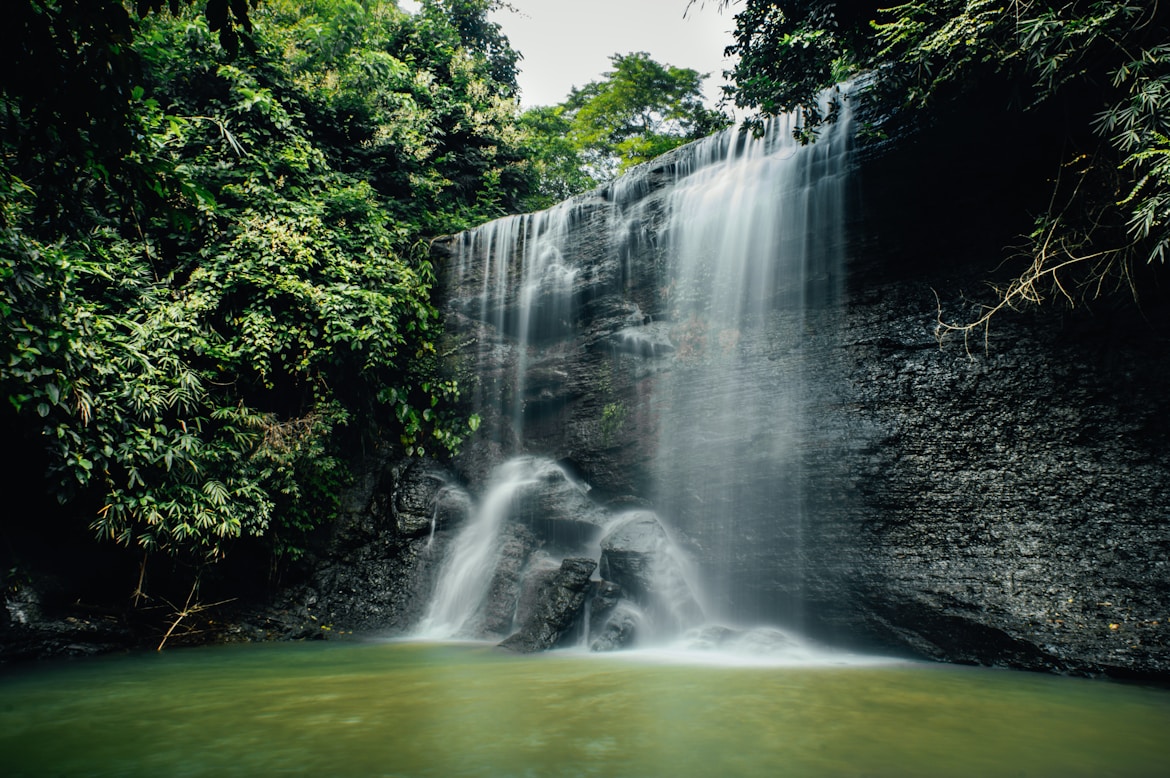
{"x":410,"y":709}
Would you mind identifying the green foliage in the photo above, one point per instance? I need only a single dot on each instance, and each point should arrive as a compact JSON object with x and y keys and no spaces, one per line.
{"x":557,"y":160}
{"x":1111,"y":201}
{"x":639,"y":110}
{"x":412,"y":105}
{"x":201,"y":319}
{"x":613,"y":416}
{"x":789,"y":51}
{"x":230,"y":19}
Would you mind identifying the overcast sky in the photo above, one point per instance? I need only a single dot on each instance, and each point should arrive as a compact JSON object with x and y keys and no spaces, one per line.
{"x":568,"y":43}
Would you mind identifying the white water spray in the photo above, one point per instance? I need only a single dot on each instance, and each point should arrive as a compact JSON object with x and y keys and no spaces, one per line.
{"x":470,"y":562}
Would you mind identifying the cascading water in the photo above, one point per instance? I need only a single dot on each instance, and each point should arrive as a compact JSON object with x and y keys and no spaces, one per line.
{"x":526,"y":292}
{"x":755,"y":245}
{"x":466,"y":574}
{"x":678,"y":334}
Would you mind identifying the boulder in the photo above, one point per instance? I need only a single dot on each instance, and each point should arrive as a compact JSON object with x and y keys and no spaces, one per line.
{"x":638,"y":555}
{"x":618,"y":629}
{"x":561,"y":599}
{"x":541,"y":570}
{"x":516,"y":547}
{"x":603,"y":598}
{"x":557,"y":507}
{"x":425,"y":498}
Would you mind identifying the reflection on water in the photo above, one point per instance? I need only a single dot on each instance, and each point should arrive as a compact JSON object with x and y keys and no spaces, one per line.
{"x":410,"y":709}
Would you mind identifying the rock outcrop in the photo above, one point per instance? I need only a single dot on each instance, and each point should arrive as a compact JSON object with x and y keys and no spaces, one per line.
{"x":559,"y":601}
{"x":376,"y":569}
{"x":638,"y":556}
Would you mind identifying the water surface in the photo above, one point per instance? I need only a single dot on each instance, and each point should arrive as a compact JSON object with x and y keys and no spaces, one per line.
{"x":417,"y":709}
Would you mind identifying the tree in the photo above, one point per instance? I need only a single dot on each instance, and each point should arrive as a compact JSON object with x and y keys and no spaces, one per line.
{"x":1109,"y":62}
{"x":789,"y":51}
{"x":639,"y":110}
{"x":558,"y":166}
{"x":67,"y":70}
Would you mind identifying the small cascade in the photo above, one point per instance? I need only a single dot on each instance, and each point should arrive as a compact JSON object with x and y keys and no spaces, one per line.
{"x":674,"y":340}
{"x":472,"y":560}
{"x":638,"y":554}
{"x":532,"y":517}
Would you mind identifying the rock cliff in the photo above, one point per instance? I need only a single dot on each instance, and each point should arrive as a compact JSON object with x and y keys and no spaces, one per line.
{"x":998,"y":502}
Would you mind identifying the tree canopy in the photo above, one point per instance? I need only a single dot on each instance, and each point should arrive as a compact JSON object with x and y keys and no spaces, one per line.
{"x":639,"y":110}
{"x":213,"y":278}
{"x":635,"y":112}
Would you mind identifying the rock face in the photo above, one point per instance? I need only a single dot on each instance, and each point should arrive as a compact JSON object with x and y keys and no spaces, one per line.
{"x":997,"y":502}
{"x":559,"y":510}
{"x":614,"y":627}
{"x":1014,"y":498}
{"x":28,"y":632}
{"x":632,"y":552}
{"x":425,"y":500}
{"x":505,"y":589}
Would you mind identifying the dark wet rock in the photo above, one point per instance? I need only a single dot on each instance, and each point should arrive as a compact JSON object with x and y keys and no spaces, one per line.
{"x":30,"y":629}
{"x":375,"y":570}
{"x":537,"y":579}
{"x":617,"y":629}
{"x":633,"y":552}
{"x":65,"y":598}
{"x":453,"y":506}
{"x":613,"y":619}
{"x":638,"y":555}
{"x":83,"y":635}
{"x":516,"y":546}
{"x":558,"y":508}
{"x":426,"y":499}
{"x":603,"y":597}
{"x":22,"y":606}
{"x":561,"y":599}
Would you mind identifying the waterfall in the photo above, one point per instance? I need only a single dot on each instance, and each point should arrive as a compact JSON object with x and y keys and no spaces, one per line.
{"x":673,"y":338}
{"x":526,"y":292}
{"x":755,"y":244}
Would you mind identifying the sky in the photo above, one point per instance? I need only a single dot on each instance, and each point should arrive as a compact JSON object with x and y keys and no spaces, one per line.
{"x":567,"y":43}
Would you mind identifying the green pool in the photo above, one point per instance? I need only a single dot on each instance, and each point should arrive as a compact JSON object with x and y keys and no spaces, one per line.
{"x":407,"y":709}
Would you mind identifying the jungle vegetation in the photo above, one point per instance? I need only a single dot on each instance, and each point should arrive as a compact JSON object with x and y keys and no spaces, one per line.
{"x":214,"y":276}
